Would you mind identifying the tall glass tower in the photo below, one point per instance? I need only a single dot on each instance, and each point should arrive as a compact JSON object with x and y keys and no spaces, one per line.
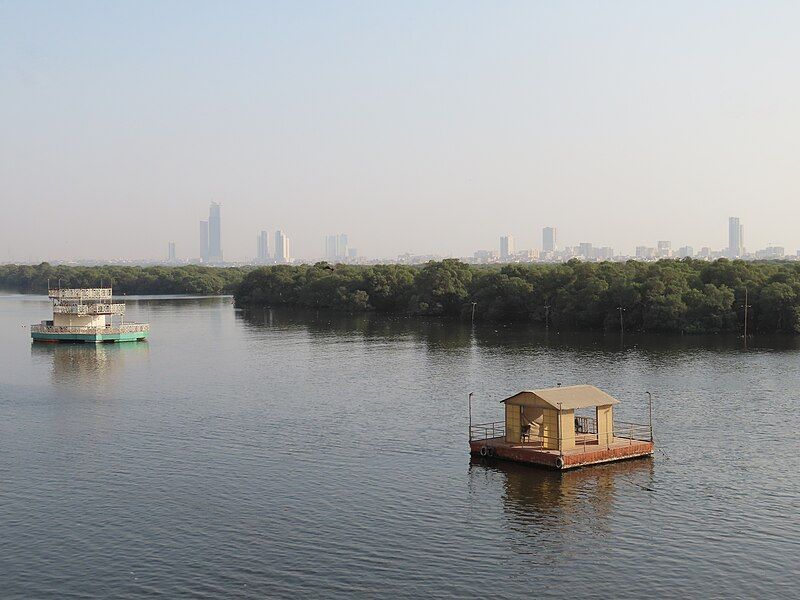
{"x":506,"y":246}
{"x":263,"y":246}
{"x":549,"y":239}
{"x":204,"y":241}
{"x":214,"y":234}
{"x":281,"y":248}
{"x":735,"y":238}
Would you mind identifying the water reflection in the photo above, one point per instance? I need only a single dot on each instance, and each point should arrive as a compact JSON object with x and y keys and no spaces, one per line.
{"x":92,"y":364}
{"x":435,"y":333}
{"x":538,"y":502}
{"x":451,"y":334}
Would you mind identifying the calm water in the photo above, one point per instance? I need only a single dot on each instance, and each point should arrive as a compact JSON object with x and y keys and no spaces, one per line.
{"x":300,"y":455}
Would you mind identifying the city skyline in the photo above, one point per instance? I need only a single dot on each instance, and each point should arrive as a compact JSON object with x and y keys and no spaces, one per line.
{"x":336,"y":249}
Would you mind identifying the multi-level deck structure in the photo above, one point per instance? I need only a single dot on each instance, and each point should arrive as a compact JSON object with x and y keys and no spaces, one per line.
{"x":87,"y":315}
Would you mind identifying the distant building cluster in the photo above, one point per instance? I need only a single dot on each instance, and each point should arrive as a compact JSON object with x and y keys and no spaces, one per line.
{"x":280,"y":252}
{"x":211,"y":236}
{"x":275,"y":248}
{"x":337,"y":249}
{"x":551,"y":252}
{"x":211,"y":242}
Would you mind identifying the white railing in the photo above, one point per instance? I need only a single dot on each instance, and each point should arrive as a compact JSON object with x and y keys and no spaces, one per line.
{"x":108,"y":329}
{"x":80,"y":293}
{"x":97,"y":308}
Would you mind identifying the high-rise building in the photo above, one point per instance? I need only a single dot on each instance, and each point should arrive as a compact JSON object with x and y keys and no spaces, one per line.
{"x":336,"y":247}
{"x":281,"y":248}
{"x":771,"y":253}
{"x":604,"y":253}
{"x":263,"y":246}
{"x":685,"y":252}
{"x":506,"y":246}
{"x":549,"y":243}
{"x":214,"y":234}
{"x":645,"y":252}
{"x":330,"y":247}
{"x":664,"y":249}
{"x":585,"y":250}
{"x":171,"y":252}
{"x":204,"y":241}
{"x":735,"y":238}
{"x":484,"y":256}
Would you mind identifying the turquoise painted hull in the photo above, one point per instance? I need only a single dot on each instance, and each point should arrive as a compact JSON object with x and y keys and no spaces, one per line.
{"x":131,"y":336}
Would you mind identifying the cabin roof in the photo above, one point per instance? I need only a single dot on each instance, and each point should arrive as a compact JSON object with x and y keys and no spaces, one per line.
{"x":568,"y":396}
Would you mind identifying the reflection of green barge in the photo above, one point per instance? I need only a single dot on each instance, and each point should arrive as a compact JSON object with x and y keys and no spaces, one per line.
{"x":87,"y":315}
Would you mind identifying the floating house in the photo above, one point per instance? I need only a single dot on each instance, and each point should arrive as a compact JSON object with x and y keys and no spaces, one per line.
{"x":87,"y":315}
{"x":562,"y":428}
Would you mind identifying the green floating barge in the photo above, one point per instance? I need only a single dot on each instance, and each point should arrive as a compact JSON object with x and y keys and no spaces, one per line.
{"x":87,"y":315}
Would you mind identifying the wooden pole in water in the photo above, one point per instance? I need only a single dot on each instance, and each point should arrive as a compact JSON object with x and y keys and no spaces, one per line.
{"x":650,"y":409}
{"x":745,"y":318}
{"x":470,"y":416}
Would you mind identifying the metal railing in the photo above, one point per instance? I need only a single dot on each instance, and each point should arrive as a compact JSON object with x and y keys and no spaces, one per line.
{"x":585,"y":434}
{"x":585,"y":425}
{"x":487,"y":431}
{"x":632,"y":431}
{"x":108,"y":329}
{"x":80,"y":293}
{"x":97,"y":308}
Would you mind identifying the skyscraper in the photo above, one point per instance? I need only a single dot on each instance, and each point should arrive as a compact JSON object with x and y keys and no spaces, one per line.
{"x":263,"y":246}
{"x":585,"y":250}
{"x":549,"y":239}
{"x":506,"y":246}
{"x":664,"y":249}
{"x":204,"y":241}
{"x":735,"y":238}
{"x":171,"y":252}
{"x":336,"y":247}
{"x":330,"y":247}
{"x":214,"y":234}
{"x":281,"y":247}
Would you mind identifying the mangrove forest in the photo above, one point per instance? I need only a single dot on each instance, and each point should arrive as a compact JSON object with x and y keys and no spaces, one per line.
{"x":687,"y":296}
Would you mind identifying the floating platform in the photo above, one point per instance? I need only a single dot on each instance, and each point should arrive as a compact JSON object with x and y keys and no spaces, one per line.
{"x":561,"y":428}
{"x":580,"y":456}
{"x":90,"y":335}
{"x":87,"y":315}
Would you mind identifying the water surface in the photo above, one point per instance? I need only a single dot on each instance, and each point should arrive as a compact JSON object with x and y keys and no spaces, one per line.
{"x":284,"y":454}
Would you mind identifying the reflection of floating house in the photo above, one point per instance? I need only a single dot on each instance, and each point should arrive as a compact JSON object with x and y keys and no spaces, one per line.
{"x":562,"y":428}
{"x":87,"y":315}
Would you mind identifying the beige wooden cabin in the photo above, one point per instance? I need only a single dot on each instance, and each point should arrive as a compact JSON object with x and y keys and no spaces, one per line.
{"x":546,"y":418}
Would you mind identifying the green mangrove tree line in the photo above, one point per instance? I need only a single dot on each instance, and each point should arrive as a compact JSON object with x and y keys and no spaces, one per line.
{"x":670,"y":295}
{"x":189,"y":279}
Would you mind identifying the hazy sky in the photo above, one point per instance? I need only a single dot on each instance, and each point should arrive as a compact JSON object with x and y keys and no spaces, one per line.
{"x":425,"y":127}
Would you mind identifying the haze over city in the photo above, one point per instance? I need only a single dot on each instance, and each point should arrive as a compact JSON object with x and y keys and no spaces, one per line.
{"x":419,"y":128}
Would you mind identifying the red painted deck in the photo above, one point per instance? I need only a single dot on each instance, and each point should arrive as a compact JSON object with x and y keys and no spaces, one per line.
{"x":581,"y":455}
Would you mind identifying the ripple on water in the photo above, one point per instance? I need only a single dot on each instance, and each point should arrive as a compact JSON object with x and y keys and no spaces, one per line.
{"x":301,"y":454}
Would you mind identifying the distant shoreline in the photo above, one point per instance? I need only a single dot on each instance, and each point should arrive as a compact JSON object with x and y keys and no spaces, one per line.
{"x":671,"y":296}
